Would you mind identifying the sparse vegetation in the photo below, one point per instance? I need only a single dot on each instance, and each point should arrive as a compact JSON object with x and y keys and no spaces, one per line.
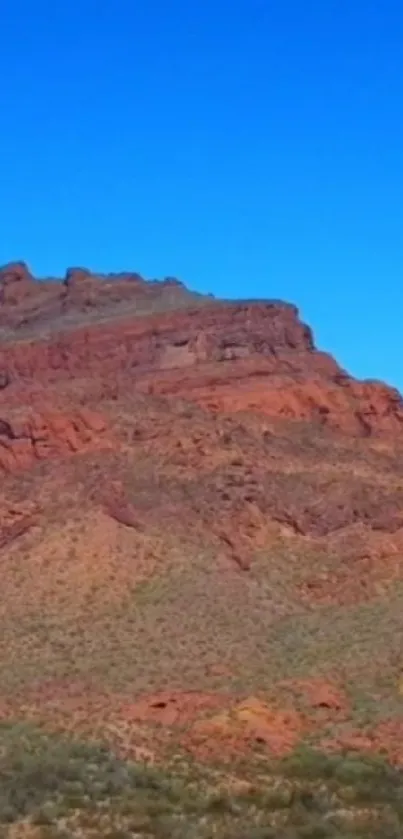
{"x":53,"y":786}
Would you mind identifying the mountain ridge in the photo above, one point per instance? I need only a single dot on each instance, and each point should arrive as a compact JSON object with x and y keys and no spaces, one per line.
{"x":263,"y":347}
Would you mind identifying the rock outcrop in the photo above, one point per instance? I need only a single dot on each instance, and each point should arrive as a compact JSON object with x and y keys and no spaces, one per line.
{"x":15,"y":520}
{"x":105,"y":334}
{"x":38,"y":436}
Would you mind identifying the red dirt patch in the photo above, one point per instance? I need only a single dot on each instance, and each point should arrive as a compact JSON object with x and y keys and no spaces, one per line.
{"x":318,"y":694}
{"x":248,"y":725}
{"x":172,"y":708}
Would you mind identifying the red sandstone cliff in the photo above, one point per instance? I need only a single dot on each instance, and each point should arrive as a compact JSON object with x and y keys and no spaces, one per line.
{"x":100,"y":335}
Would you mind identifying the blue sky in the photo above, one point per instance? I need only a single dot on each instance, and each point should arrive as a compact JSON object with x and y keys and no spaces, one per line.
{"x":249,"y":147}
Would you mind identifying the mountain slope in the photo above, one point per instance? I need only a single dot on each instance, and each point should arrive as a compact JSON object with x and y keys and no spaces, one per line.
{"x":201,"y":523}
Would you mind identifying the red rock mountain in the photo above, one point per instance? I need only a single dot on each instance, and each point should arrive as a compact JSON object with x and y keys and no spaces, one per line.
{"x":192,"y":479}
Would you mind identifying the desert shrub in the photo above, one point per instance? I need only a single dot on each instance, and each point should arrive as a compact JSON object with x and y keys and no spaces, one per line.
{"x":68,"y":788}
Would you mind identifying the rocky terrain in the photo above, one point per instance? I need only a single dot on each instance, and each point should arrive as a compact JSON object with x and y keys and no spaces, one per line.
{"x":201,"y":526}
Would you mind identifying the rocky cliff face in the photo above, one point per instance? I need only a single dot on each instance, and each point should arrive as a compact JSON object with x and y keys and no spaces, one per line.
{"x":111,"y":333}
{"x":193,"y":479}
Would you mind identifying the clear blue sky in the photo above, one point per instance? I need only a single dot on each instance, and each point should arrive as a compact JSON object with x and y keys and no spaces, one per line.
{"x":250,"y":147}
